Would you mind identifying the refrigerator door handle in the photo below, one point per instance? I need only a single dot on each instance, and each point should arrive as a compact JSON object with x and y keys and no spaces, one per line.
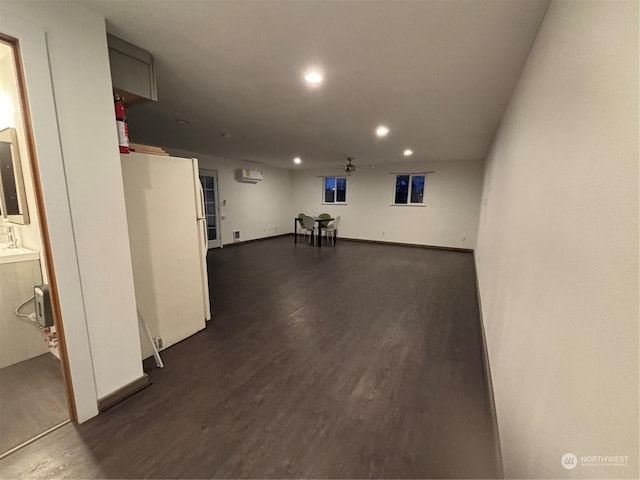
{"x":202,"y":211}
{"x":204,"y":219}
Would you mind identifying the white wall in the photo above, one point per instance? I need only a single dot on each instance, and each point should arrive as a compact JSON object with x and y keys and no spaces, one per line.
{"x":258,"y":210}
{"x":82,"y":89}
{"x":557,"y":250}
{"x":449,"y":217}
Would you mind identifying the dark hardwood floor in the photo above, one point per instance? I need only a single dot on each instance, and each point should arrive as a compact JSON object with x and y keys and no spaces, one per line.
{"x":357,"y":361}
{"x":32,"y":399}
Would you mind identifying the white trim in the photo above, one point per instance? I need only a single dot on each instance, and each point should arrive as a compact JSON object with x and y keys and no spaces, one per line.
{"x":407,"y":205}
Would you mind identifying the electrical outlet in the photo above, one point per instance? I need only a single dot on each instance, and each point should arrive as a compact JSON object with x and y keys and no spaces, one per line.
{"x":157,"y":341}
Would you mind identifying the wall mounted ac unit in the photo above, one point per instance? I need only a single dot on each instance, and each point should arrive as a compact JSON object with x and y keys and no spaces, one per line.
{"x":249,"y":176}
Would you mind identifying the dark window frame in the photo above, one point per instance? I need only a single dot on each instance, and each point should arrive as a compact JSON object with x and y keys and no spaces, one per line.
{"x":409,"y":194}
{"x":330,"y":194}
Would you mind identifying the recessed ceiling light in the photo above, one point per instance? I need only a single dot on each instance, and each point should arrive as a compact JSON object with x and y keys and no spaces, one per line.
{"x":382,"y":131}
{"x":408,"y":152}
{"x":313,"y":77}
{"x":225,"y":134}
{"x":297,"y":160}
{"x":182,"y":122}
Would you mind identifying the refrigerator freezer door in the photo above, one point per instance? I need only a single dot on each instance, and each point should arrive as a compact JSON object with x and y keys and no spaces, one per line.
{"x":202,"y":226}
{"x":166,"y":245}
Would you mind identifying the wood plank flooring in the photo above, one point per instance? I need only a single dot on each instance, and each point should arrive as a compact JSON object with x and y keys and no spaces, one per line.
{"x":354,"y":361}
{"x":32,"y":399}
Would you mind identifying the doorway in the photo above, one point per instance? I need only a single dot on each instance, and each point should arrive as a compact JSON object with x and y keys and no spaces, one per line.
{"x":34,"y":390}
{"x":209,"y":182}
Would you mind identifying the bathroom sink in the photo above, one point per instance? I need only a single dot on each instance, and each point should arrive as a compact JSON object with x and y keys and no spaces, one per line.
{"x":20,"y":254}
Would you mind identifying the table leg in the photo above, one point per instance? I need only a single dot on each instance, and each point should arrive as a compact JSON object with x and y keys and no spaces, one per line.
{"x":335,"y":236}
{"x":319,"y":235}
{"x":295,"y":231}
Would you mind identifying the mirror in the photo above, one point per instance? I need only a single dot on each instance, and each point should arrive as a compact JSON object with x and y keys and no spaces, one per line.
{"x":13,"y":200}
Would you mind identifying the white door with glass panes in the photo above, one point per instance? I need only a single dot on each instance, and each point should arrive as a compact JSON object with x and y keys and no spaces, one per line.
{"x":209,"y":182}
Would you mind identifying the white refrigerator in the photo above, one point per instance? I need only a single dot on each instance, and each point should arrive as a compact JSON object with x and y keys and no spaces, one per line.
{"x":168,"y":239}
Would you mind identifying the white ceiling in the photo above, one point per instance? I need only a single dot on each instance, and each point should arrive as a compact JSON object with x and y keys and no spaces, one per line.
{"x":438,"y":73}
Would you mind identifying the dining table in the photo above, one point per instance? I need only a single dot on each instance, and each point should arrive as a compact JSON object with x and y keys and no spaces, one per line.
{"x":318,"y":220}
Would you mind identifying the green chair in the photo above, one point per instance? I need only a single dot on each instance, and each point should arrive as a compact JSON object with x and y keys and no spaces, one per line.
{"x":301,"y":223}
{"x":323,"y":223}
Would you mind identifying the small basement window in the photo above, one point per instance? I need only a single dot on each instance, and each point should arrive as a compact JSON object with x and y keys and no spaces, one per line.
{"x":409,"y":190}
{"x":335,"y":190}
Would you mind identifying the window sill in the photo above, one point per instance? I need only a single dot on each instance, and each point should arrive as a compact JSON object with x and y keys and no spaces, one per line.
{"x":408,"y":205}
{"x":336,"y":204}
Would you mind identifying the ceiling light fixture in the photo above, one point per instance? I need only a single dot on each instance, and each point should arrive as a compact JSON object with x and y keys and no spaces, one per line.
{"x":313,"y":77}
{"x":408,"y":152}
{"x":297,"y":160}
{"x":382,"y":131}
{"x":182,"y":122}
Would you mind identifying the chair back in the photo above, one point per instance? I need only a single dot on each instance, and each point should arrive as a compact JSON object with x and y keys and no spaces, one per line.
{"x":336,"y":222}
{"x":300,"y":217}
{"x":323,"y":224}
{"x":308,"y":222}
